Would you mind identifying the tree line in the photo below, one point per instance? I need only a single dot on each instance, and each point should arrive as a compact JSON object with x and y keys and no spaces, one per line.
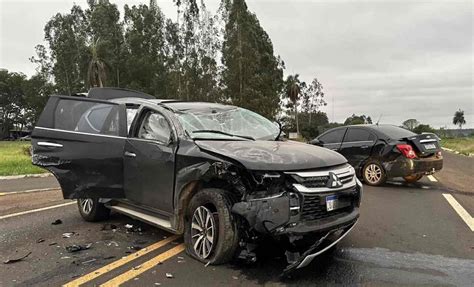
{"x":224,"y":57}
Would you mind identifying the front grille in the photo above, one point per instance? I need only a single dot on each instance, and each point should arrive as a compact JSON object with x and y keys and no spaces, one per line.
{"x":314,"y":207}
{"x":316,"y":181}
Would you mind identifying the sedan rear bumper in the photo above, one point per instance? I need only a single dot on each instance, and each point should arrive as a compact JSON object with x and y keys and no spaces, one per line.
{"x":420,"y":166}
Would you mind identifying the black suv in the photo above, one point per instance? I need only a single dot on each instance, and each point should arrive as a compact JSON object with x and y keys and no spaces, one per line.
{"x":216,"y":173}
{"x":381,"y":152}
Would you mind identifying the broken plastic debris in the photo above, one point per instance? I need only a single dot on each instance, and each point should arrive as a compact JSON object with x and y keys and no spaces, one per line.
{"x":65,"y":257}
{"x":137,"y":267}
{"x":76,"y":248}
{"x":169,"y":275}
{"x":113,"y":243}
{"x":56,"y":222}
{"x":40,"y":240}
{"x":17,"y":258}
{"x":157,"y":284}
{"x":128,"y":226}
{"x":235,"y":277}
{"x":89,"y":261}
{"x":68,"y":234}
{"x":53,"y":243}
{"x":109,"y":226}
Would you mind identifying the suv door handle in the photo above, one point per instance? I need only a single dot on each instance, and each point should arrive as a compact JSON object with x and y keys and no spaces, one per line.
{"x":365,"y":146}
{"x":50,"y":144}
{"x":129,"y":154}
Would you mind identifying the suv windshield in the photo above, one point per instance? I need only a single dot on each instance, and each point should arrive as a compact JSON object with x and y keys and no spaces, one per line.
{"x":235,"y":123}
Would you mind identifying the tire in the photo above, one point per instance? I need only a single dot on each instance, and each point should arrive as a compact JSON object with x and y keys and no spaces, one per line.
{"x":92,"y":210}
{"x":373,"y":173}
{"x":412,"y":178}
{"x":222,"y":239}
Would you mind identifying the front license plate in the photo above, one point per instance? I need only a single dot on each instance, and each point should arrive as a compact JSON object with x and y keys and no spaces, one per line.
{"x":331,"y":202}
{"x":430,"y":146}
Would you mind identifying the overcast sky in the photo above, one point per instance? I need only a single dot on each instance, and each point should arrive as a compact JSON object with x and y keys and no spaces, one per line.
{"x":395,"y":59}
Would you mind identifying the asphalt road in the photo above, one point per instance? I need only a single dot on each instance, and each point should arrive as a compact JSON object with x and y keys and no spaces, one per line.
{"x":407,"y":235}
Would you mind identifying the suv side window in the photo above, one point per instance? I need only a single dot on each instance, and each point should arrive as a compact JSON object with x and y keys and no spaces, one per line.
{"x":131,"y":113}
{"x":87,"y":117}
{"x":155,"y":127}
{"x":332,"y":137}
{"x":358,"y":135}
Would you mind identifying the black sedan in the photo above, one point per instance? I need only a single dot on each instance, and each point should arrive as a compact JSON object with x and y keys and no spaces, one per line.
{"x":381,"y":152}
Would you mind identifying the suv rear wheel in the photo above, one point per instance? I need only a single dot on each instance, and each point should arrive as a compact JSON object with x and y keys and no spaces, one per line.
{"x":210,"y":232}
{"x":373,"y":173}
{"x":92,"y":210}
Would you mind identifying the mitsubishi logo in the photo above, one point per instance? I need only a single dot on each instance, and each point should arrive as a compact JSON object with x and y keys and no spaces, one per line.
{"x":333,"y":181}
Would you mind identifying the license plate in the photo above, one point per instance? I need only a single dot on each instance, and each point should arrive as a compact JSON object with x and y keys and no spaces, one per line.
{"x":331,"y":202}
{"x":430,"y":146}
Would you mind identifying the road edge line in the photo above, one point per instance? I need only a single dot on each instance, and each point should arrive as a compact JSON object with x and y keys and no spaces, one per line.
{"x":28,"y":191}
{"x":134,"y":272}
{"x":122,"y":261}
{"x":465,"y":216}
{"x":35,"y":210}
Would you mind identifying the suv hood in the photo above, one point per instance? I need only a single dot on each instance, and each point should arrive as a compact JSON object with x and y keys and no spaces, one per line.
{"x":274,"y":155}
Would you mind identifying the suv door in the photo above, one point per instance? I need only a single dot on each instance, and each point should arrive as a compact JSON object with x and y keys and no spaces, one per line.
{"x":150,"y":160}
{"x":332,"y":139}
{"x":81,"y":141}
{"x":357,"y":145}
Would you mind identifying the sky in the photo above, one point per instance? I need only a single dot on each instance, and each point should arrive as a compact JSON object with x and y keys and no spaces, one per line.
{"x":391,"y":60}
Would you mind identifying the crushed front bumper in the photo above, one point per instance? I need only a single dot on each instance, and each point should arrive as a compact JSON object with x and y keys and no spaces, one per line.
{"x":308,"y":256}
{"x":402,"y":166}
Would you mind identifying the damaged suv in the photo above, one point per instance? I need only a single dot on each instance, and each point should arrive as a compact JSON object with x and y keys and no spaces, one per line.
{"x":219,"y":174}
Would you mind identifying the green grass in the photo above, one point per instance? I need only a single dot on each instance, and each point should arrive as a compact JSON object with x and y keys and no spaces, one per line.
{"x":462,"y":145}
{"x":15,"y":159}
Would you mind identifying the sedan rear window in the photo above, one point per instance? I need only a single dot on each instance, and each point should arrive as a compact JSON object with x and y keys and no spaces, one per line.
{"x":394,"y":132}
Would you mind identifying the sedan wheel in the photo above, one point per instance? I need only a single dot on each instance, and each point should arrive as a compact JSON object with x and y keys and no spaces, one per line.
{"x":203,"y":232}
{"x":373,"y":174}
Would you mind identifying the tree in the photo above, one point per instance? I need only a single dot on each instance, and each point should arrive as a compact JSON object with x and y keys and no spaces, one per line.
{"x":96,"y":73}
{"x":252,"y":76}
{"x":312,"y":98}
{"x":410,"y":124}
{"x":422,"y":128}
{"x":458,"y":118}
{"x":293,"y":91}
{"x":358,"y":120}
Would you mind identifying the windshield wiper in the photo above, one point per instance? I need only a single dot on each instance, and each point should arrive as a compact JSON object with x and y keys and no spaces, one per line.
{"x":223,"y":133}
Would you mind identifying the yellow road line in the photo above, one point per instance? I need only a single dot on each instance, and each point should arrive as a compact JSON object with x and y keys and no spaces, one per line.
{"x":36,"y":210}
{"x":27,"y":191}
{"x":432,"y":178}
{"x":132,"y":273}
{"x":468,"y":219}
{"x":120,"y":262}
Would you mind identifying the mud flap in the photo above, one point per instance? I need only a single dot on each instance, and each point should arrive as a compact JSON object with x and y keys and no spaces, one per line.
{"x":312,"y":252}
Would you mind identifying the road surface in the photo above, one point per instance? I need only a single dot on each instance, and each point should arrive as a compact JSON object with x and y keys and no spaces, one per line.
{"x":416,"y":234}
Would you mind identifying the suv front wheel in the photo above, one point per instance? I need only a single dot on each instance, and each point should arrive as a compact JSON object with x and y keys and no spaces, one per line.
{"x":210,"y":232}
{"x":92,"y":210}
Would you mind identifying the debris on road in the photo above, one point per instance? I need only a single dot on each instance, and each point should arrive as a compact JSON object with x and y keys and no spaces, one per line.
{"x":56,"y":222}
{"x":135,"y":247}
{"x":109,"y":257}
{"x":53,"y":243}
{"x":17,"y":258}
{"x":113,"y":243}
{"x":109,"y":226}
{"x":68,"y":234}
{"x":89,"y":261}
{"x":40,"y":240}
{"x":75,"y":248}
{"x":169,"y":275}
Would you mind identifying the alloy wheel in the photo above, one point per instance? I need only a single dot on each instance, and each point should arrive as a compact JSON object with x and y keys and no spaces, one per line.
{"x":373,"y":173}
{"x":86,"y":205}
{"x":203,"y":231}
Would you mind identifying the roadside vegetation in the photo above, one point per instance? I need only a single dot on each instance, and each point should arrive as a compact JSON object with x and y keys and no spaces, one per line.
{"x":15,"y":159}
{"x":464,"y":145}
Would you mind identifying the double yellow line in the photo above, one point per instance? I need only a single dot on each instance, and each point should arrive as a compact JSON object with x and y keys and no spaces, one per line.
{"x":130,"y":274}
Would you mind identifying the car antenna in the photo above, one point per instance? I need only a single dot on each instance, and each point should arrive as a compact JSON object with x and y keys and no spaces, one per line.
{"x":377,"y":123}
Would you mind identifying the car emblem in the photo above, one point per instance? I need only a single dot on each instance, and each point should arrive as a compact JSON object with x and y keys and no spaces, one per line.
{"x":333,"y":181}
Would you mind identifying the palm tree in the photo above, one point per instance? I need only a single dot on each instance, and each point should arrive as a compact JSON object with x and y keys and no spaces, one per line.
{"x":458,"y":118}
{"x":293,"y":91}
{"x":96,"y":72}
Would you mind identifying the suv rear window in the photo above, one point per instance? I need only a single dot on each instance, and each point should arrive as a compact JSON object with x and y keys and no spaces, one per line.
{"x":87,"y":117}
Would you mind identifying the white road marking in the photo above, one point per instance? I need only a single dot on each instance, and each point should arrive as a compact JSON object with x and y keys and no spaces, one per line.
{"x":432,"y":178}
{"x":468,"y":219}
{"x":37,"y":210}
{"x":26,"y":191}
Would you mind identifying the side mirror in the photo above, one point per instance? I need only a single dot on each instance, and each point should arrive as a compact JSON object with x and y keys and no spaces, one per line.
{"x":316,"y":142}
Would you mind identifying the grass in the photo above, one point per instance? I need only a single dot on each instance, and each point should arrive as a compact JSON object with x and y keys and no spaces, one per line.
{"x":461,"y":145}
{"x":15,"y":159}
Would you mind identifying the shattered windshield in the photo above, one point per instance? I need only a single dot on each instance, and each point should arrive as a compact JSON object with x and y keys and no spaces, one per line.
{"x":235,"y":123}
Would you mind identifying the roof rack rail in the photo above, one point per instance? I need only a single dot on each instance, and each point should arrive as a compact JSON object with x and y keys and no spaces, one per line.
{"x":115,"y":93}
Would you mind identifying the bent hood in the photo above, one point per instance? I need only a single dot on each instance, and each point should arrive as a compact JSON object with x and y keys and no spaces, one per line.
{"x":274,"y":155}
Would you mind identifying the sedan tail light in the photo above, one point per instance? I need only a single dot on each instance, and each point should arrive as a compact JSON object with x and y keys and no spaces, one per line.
{"x":406,"y":150}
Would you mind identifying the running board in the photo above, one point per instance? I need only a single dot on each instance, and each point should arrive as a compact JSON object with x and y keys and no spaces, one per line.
{"x":148,"y":218}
